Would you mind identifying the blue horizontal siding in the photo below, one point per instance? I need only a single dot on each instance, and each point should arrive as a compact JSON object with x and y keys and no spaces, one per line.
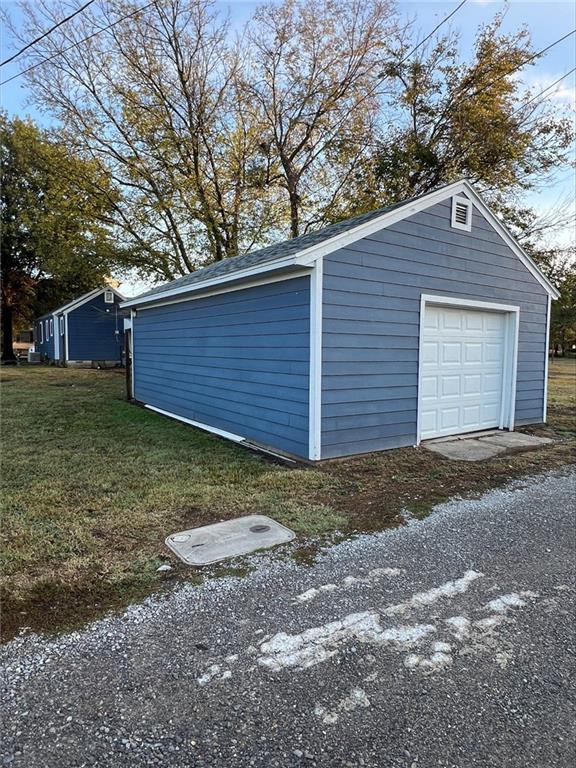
{"x":238,"y":361}
{"x":92,"y":331}
{"x":371,"y":315}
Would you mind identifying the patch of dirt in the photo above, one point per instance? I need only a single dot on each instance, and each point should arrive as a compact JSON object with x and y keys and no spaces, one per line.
{"x":378,"y":489}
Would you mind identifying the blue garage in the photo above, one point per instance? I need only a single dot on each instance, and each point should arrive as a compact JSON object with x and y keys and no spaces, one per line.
{"x":417,"y":321}
{"x":88,"y":329}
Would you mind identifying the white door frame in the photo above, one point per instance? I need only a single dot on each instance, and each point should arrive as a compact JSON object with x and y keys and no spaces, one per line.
{"x":512,"y":313}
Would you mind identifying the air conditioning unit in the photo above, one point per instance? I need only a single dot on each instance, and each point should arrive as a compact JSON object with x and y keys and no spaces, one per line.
{"x":34,"y":357}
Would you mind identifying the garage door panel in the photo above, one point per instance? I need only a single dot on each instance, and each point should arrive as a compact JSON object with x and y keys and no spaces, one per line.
{"x":429,"y":387}
{"x":462,"y":370}
{"x":470,"y":415}
{"x":473,"y":352}
{"x":451,"y":352}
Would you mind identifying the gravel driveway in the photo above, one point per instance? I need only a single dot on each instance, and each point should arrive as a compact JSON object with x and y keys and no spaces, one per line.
{"x":449,"y":642}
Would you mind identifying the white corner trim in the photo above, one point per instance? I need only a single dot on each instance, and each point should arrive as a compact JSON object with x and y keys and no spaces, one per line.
{"x":65,"y":338}
{"x":315,"y":370}
{"x":508,"y":407}
{"x":205,"y":427}
{"x":56,"y":337}
{"x":454,"y":223}
{"x":132,"y":358}
{"x":546,"y":361}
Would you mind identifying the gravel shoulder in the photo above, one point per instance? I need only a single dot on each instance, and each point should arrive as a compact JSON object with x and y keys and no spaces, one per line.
{"x":449,"y":642}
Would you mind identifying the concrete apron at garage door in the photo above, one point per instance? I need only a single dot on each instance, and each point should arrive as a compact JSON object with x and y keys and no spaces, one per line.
{"x":484,"y":445}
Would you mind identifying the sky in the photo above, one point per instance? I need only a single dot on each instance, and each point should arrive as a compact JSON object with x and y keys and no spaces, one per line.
{"x":547,"y":21}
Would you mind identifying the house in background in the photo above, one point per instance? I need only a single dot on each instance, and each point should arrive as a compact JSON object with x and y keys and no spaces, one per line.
{"x":23,"y":342}
{"x":418,"y":321}
{"x":86,"y":330}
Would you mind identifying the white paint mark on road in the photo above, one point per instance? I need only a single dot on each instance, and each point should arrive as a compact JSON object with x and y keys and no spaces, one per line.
{"x":459,"y":626}
{"x":348,"y":581}
{"x":356,"y":698}
{"x":447,"y":590}
{"x":210,"y":674}
{"x":512,"y":600}
{"x":318,"y":644}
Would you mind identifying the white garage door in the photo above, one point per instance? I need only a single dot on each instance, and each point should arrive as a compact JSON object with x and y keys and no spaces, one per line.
{"x":462,"y":364}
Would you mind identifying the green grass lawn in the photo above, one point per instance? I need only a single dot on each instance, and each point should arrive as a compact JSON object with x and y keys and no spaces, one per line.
{"x":92,"y":485}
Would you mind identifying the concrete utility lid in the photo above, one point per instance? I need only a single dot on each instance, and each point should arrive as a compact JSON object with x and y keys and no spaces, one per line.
{"x":212,"y":543}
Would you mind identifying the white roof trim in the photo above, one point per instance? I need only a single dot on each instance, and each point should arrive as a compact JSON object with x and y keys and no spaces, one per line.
{"x":67,"y":308}
{"x":307,"y":256}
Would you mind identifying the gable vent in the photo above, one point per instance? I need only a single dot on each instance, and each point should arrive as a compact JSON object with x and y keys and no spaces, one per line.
{"x":462,"y":213}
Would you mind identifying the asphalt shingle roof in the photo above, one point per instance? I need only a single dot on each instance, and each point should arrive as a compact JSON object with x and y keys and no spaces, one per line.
{"x":271,"y":253}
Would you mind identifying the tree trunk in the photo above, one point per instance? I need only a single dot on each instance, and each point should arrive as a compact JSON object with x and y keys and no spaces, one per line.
{"x":8,"y":356}
{"x":294,"y":213}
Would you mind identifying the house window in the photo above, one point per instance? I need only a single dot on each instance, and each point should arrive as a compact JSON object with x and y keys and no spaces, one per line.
{"x":61,"y":326}
{"x":51,"y":327}
{"x":47,"y":330}
{"x":461,"y":213}
{"x":109,"y":297}
{"x":41,"y":334}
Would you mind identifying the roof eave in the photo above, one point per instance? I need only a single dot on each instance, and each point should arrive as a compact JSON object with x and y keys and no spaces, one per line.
{"x":307,"y":256}
{"x":269,"y":267}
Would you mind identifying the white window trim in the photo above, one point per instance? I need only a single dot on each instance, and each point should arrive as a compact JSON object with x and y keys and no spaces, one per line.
{"x":510,"y":360}
{"x":51,"y":327}
{"x":108,"y":296}
{"x":61,"y":325}
{"x":41,"y":334}
{"x":459,"y":200}
{"x":47,"y":330}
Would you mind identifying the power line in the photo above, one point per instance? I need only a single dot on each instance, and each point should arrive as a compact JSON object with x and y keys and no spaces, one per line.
{"x":45,"y":34}
{"x":522,"y":64}
{"x":548,"y":88}
{"x":78,"y":42}
{"x":436,"y":28}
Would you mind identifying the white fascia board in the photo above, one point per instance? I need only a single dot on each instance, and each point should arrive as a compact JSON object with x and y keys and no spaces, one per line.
{"x":385,"y":220}
{"x":216,"y":281}
{"x":511,"y":241}
{"x":226,"y":288}
{"x":307,"y":256}
{"x":71,"y":304}
{"x":88,"y":297}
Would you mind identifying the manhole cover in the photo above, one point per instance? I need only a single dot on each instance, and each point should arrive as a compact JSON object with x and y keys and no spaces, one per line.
{"x":212,"y":543}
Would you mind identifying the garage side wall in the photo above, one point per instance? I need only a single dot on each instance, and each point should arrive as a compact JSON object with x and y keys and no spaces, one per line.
{"x":371,"y":313}
{"x":238,"y":361}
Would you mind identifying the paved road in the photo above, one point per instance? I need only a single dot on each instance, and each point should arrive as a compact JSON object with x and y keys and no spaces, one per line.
{"x":447,"y":643}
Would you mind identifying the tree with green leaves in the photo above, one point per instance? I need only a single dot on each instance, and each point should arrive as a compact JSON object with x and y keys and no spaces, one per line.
{"x":57,"y":238}
{"x":315,"y":112}
{"x":448,"y":118}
